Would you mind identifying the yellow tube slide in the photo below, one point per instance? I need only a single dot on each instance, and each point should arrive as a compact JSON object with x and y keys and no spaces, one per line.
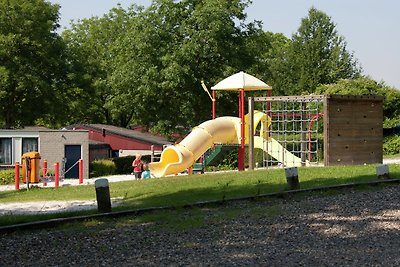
{"x":177,"y":158}
{"x":222,"y":130}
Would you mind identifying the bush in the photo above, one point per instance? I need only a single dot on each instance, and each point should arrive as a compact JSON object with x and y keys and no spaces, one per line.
{"x":102,"y":168}
{"x":7,"y":176}
{"x":391,"y":145}
{"x":123,"y":165}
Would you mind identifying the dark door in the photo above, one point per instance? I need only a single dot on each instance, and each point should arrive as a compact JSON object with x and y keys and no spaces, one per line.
{"x":72,"y":154}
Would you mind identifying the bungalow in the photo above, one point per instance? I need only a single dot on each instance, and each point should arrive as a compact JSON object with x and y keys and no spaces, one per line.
{"x":63,"y":146}
{"x":120,"y":141}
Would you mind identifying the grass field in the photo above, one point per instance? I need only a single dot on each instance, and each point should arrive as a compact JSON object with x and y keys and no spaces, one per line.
{"x":178,"y":191}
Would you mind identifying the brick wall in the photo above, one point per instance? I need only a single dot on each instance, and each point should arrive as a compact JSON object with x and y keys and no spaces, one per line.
{"x":52,"y":144}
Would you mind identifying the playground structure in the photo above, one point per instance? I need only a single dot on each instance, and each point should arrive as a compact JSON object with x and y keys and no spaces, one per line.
{"x":287,"y":129}
{"x":229,"y":130}
{"x":291,"y":136}
{"x":352,"y":130}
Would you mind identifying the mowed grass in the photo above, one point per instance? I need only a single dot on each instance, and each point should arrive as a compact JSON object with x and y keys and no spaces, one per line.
{"x":177,"y":191}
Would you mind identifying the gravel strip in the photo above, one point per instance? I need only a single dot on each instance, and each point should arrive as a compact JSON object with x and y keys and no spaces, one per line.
{"x":352,"y":228}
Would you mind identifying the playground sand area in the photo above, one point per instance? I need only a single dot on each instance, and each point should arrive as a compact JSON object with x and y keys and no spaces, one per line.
{"x":43,"y":207}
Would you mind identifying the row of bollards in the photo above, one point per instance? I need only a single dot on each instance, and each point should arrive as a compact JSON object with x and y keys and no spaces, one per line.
{"x":292,"y":176}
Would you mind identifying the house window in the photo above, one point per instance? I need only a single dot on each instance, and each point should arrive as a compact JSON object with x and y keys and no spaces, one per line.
{"x":5,"y":150}
{"x":29,"y":145}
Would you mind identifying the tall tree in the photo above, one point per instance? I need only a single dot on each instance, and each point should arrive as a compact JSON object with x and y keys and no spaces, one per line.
{"x":268,"y":49}
{"x":92,"y":46}
{"x":188,"y":41}
{"x":144,"y":66}
{"x":31,"y":62}
{"x":317,"y":55}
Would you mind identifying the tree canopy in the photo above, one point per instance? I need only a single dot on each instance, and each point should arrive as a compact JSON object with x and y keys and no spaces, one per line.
{"x":143,"y":61}
{"x":32,"y":65}
{"x":145,"y":65}
{"x":316,"y":55}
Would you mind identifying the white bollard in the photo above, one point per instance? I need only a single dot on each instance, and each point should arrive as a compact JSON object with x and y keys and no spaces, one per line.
{"x":103,"y":195}
{"x":382,"y":171}
{"x":292,"y":178}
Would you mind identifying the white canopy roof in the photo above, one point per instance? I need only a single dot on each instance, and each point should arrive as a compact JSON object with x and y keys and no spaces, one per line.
{"x":241,"y":81}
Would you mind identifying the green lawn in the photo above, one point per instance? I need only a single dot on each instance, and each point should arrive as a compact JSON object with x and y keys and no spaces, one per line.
{"x":177,"y":191}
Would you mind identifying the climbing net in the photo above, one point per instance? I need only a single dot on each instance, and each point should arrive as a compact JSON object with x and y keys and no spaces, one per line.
{"x":293,"y":132}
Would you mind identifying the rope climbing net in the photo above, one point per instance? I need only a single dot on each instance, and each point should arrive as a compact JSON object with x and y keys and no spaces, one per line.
{"x":293,"y":132}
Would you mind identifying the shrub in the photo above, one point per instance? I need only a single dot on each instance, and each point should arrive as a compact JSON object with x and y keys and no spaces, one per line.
{"x":230,"y":161}
{"x":102,"y":168}
{"x":7,"y":176}
{"x":391,"y":145}
{"x":123,"y":165}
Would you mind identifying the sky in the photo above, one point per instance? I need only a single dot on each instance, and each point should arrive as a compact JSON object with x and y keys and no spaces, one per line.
{"x":371,"y":28}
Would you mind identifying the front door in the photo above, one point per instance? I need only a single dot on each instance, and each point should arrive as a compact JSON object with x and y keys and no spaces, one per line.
{"x":72,"y":154}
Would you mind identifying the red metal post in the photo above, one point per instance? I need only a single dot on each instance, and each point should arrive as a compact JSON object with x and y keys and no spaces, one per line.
{"x":44,"y":171}
{"x":16,"y":175}
{"x":56,"y":174}
{"x":80,"y":171}
{"x":242,"y":126}
{"x":44,"y":168}
{"x":214,"y":104}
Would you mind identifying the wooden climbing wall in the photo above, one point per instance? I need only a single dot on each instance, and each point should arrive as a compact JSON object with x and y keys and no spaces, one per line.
{"x":353,"y":130}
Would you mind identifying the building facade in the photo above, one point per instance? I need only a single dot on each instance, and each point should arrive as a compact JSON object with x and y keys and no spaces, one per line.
{"x":63,"y":146}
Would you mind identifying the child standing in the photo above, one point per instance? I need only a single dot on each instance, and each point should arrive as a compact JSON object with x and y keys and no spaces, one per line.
{"x":137,"y":166}
{"x":146,"y":172}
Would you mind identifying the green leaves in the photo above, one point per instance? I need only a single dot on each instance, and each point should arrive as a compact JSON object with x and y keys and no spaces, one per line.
{"x":144,"y":66}
{"x":315,"y":55}
{"x":31,"y":60}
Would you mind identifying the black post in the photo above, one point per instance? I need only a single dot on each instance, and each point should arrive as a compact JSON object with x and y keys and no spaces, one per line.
{"x":103,"y":195}
{"x":292,"y":178}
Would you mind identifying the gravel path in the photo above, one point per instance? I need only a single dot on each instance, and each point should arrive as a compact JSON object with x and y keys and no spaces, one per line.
{"x":352,"y":228}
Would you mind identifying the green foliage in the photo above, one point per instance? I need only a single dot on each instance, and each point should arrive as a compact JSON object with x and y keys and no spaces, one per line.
{"x":92,"y":46}
{"x":101,"y":168}
{"x":139,"y":61}
{"x":366,"y":86}
{"x":32,"y":63}
{"x":123,"y":165}
{"x":391,"y":145}
{"x":144,"y":65}
{"x":316,"y":55}
{"x":230,"y":161}
{"x":7,"y":176}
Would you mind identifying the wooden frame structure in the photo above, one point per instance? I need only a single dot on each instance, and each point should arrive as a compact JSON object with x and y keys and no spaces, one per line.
{"x":353,"y":127}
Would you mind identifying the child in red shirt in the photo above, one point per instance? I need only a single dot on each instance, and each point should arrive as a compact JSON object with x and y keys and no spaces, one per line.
{"x":137,"y":166}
